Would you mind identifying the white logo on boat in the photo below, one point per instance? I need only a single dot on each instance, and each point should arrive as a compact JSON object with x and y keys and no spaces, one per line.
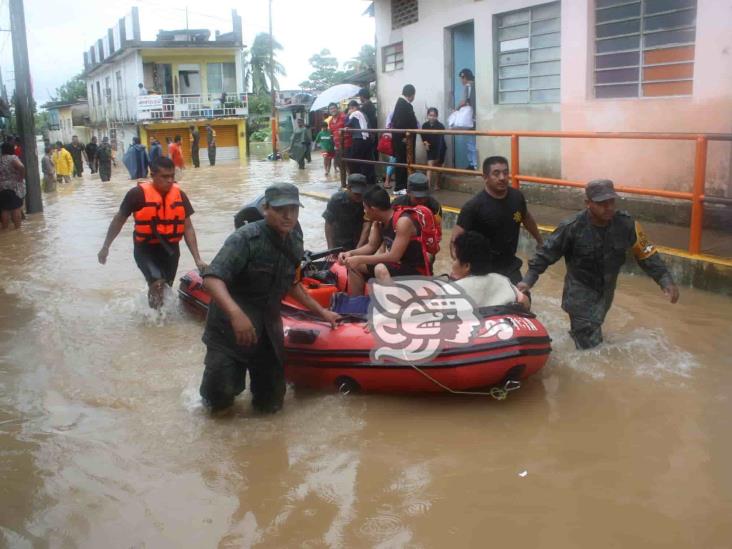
{"x":413,"y":318}
{"x":501,"y":329}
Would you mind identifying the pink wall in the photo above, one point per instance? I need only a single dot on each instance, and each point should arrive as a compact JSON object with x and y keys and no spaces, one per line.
{"x":666,"y":165}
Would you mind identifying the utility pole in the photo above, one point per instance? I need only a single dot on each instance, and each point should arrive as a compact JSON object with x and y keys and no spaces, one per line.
{"x":24,"y":107}
{"x":273,"y":94}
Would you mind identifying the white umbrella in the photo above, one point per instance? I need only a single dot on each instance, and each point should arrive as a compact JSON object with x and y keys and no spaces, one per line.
{"x":334,"y":94}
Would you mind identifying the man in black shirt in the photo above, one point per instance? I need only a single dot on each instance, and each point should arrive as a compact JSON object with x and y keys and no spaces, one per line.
{"x":162,"y":217}
{"x":78,"y":154}
{"x":369,"y":111}
{"x":344,"y":223}
{"x":498,"y":213}
{"x":403,"y":118}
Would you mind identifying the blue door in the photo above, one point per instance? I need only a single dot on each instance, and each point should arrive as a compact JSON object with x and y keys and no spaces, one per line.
{"x":463,"y":57}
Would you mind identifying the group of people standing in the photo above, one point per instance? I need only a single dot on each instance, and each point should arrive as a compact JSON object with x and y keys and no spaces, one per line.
{"x":138,"y":160}
{"x":362,"y":145}
{"x":60,"y":162}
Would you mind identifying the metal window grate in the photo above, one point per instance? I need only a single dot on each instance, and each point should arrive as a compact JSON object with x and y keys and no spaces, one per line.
{"x":644,"y":48}
{"x":392,"y":57}
{"x":528,"y":51}
{"x":403,"y":13}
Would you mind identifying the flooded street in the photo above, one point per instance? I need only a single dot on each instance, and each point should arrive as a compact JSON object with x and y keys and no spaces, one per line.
{"x":104,"y":443}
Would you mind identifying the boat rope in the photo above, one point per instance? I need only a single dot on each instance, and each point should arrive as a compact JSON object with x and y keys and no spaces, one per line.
{"x":498,"y":393}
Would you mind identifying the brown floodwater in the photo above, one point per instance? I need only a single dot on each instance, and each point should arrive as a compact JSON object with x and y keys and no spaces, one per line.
{"x":104,"y":443}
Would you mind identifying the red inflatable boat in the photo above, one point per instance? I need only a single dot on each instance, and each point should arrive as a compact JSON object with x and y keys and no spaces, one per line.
{"x":507,"y":346}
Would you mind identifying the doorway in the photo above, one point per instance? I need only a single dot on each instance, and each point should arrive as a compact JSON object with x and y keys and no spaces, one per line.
{"x":463,"y":57}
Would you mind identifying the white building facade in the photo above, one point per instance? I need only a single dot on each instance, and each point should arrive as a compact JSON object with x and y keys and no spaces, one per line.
{"x":186,"y":80}
{"x":572,"y":65}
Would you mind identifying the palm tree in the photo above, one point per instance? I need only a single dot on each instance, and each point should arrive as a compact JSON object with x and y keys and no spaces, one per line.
{"x":365,"y":60}
{"x":260,"y":72}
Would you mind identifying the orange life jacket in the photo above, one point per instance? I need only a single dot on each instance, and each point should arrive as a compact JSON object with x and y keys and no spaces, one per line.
{"x":160,"y":216}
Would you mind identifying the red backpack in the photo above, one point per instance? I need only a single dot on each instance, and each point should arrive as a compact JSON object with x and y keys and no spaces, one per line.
{"x":430,"y":233}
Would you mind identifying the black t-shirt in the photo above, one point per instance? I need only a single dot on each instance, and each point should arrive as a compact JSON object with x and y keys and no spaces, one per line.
{"x":134,"y":200}
{"x":346,"y":216}
{"x":498,"y":219}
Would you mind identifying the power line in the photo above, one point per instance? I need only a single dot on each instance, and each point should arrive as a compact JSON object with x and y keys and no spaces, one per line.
{"x":208,"y":15}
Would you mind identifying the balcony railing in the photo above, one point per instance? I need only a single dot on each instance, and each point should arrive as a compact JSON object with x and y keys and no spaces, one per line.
{"x":186,"y":107}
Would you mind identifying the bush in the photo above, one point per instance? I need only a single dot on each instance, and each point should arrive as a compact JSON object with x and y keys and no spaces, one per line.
{"x":260,"y":135}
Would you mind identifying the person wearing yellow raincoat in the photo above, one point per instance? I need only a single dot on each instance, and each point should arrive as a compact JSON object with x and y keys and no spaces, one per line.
{"x":63,"y":162}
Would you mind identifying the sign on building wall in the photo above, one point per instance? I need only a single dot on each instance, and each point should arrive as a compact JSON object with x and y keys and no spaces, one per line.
{"x":147,"y":104}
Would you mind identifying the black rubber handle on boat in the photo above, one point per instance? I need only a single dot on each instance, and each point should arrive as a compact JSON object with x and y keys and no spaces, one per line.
{"x":309,"y":256}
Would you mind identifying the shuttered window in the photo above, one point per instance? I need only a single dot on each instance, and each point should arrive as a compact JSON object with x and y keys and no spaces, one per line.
{"x":644,"y":48}
{"x":528,"y":51}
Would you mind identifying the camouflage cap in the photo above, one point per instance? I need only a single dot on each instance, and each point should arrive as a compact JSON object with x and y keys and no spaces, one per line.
{"x":282,"y":194}
{"x":418,"y":185}
{"x":599,"y":190}
{"x":357,"y":183}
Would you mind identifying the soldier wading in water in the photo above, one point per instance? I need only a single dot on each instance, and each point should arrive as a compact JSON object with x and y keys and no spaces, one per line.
{"x":594,"y":243}
{"x":247,"y":279}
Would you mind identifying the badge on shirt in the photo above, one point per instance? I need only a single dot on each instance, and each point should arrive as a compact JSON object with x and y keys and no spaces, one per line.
{"x":642,"y":249}
{"x":517,"y":217}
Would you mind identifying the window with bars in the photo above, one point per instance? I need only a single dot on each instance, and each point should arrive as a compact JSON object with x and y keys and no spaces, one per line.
{"x":392,"y":57}
{"x":644,"y":48}
{"x":528,"y":51}
{"x":403,"y":13}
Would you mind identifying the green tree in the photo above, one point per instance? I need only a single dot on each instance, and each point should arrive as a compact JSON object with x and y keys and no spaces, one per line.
{"x":260,"y":72}
{"x":326,"y":73}
{"x":72,"y":90}
{"x":365,"y":60}
{"x":41,"y":121}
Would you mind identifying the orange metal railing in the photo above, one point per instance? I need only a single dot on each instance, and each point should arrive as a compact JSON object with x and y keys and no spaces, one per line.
{"x":696,"y":196}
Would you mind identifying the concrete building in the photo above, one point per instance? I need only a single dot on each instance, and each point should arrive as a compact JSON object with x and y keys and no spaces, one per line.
{"x":66,"y":119}
{"x":572,"y":65}
{"x":186,"y":78}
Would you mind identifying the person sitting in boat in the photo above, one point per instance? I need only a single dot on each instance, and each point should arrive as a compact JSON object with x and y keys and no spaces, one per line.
{"x":472,"y":271}
{"x":405,"y":234}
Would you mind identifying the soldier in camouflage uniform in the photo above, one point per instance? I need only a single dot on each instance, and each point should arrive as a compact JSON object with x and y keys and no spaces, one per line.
{"x":344,"y":223}
{"x":247,"y":279}
{"x":594,"y":243}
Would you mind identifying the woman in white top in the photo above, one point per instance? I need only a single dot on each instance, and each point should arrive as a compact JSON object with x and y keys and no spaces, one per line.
{"x":471,"y":270}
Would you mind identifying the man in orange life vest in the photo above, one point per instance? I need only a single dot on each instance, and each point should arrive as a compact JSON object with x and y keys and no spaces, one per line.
{"x":162,"y":214}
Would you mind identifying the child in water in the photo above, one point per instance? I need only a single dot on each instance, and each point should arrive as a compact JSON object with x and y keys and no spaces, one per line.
{"x":324,"y":141}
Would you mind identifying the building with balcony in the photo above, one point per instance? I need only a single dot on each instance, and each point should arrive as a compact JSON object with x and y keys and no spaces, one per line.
{"x":66,"y":119}
{"x":159,"y":88}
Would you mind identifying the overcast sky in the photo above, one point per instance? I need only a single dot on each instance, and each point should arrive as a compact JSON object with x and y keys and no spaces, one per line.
{"x":59,"y":32}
